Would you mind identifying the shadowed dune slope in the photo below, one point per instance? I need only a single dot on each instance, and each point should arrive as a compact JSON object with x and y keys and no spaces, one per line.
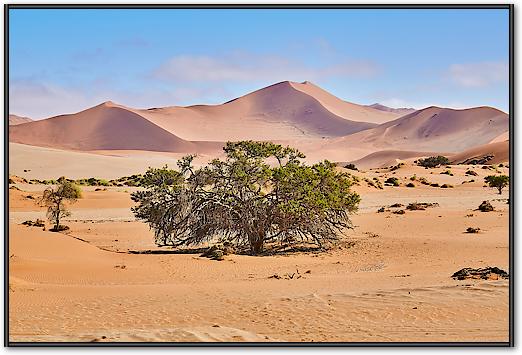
{"x":433,"y":129}
{"x":281,"y":111}
{"x":106,"y":126}
{"x":345,"y":109}
{"x":499,"y":151}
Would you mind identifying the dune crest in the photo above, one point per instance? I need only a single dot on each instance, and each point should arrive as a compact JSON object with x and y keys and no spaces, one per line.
{"x":16,"y":120}
{"x":106,"y":126}
{"x":432,"y":129}
{"x":494,"y":153}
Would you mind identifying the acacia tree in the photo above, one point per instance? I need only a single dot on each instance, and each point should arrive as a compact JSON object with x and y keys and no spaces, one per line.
{"x":433,"y":162}
{"x":260,"y":192}
{"x":54,"y":199}
{"x":497,"y":181}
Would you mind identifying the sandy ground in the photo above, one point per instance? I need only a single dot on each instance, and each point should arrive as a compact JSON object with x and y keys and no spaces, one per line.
{"x":388,"y":280}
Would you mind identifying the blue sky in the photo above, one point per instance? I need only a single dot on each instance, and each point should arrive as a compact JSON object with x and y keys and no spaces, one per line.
{"x":63,"y":61}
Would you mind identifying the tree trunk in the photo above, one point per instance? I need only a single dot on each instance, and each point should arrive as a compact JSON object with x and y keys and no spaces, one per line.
{"x":256,"y":244}
{"x":57,"y":221}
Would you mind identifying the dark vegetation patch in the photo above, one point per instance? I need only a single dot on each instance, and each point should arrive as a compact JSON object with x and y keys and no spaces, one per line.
{"x":487,"y":273}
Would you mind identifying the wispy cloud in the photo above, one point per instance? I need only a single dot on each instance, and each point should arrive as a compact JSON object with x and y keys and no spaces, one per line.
{"x":479,"y":75}
{"x":37,"y":98}
{"x":239,"y":67}
{"x":401,"y":103}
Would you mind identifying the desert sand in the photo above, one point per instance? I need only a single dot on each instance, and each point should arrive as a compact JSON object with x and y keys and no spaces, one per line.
{"x":388,"y":280}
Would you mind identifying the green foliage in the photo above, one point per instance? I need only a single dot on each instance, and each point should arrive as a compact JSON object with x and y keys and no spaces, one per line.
{"x":351,"y":166}
{"x":497,"y":181}
{"x":447,"y":172}
{"x":410,"y":184}
{"x":433,"y":162}
{"x":375,"y":182}
{"x":396,"y":167}
{"x":54,"y":199}
{"x":392,"y":181}
{"x":485,"y":206}
{"x":260,"y":192}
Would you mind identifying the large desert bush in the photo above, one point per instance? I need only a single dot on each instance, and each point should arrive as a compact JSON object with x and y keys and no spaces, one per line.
{"x":259,"y":193}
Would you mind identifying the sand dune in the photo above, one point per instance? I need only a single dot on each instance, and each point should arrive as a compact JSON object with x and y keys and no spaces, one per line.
{"x":284,"y":110}
{"x":15,"y":120}
{"x":499,"y":151}
{"x":501,"y":138}
{"x":345,"y":109}
{"x":386,"y":158}
{"x":401,"y":110}
{"x":106,"y":126}
{"x":297,"y":114}
{"x":431,"y":129}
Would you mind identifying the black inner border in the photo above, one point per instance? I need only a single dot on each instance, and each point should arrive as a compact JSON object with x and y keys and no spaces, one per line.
{"x":509,"y":7}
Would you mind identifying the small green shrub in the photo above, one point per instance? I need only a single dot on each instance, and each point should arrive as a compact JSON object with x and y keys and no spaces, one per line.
{"x":392,"y":181}
{"x":472,"y":230}
{"x":486,"y":206}
{"x":351,"y":166}
{"x":410,"y":184}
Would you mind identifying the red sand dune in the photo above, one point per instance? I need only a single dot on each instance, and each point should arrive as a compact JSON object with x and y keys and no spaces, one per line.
{"x":106,"y":126}
{"x":499,"y":150}
{"x":432,"y":129}
{"x":281,"y":111}
{"x":298,"y":114}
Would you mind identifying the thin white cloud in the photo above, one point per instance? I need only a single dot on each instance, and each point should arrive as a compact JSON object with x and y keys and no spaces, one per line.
{"x":479,"y":75}
{"x":241,"y":67}
{"x":401,"y":103}
{"x":37,"y":99}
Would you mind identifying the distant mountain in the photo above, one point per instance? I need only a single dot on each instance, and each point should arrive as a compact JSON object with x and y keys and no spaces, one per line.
{"x":298,"y":114}
{"x":14,"y":120}
{"x":492,"y":153}
{"x":104,"y":127}
{"x":285,"y":110}
{"x":433,"y":129}
{"x":400,"y":110}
